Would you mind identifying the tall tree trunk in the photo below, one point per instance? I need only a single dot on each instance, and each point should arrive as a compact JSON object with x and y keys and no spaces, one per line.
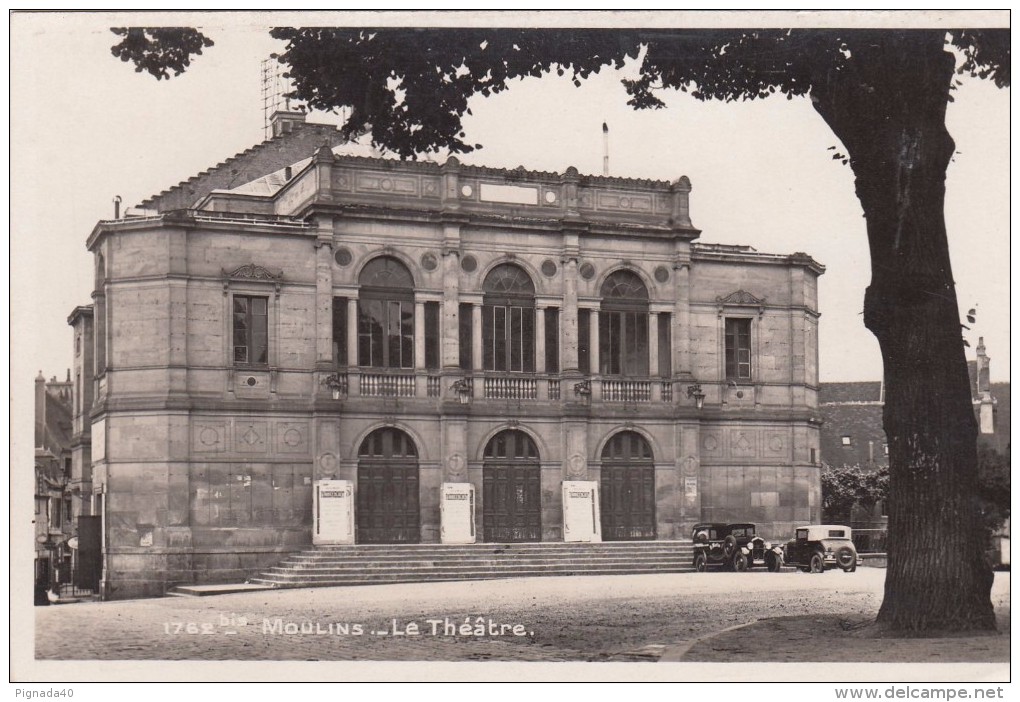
{"x":888,"y":109}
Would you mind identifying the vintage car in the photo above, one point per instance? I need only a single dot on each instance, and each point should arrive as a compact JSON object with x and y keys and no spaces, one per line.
{"x":820,"y":547}
{"x":733,"y":547}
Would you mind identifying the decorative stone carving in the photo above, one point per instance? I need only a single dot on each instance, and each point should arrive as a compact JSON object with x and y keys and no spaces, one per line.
{"x":576,"y":466}
{"x":455,"y":465}
{"x":740,"y":298}
{"x":252,"y":271}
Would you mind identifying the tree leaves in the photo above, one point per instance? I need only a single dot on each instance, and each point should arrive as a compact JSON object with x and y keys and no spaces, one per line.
{"x":158,"y":50}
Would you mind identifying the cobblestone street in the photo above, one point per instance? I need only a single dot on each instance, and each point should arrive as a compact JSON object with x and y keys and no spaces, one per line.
{"x":605,"y":618}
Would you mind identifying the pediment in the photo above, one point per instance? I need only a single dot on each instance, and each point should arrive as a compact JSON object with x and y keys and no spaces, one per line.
{"x":253,"y":271}
{"x":742,"y":298}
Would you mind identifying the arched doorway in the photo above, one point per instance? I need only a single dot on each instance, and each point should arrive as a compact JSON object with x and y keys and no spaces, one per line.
{"x":628,"y":488}
{"x":511,"y":489}
{"x":387,"y":509}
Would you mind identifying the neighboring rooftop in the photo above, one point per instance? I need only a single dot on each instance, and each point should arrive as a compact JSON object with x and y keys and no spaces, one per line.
{"x":293,"y":139}
{"x":855,"y":392}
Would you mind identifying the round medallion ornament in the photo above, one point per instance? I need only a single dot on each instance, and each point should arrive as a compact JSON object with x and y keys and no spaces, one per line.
{"x":327,"y":461}
{"x":575,"y":466}
{"x":469,"y":263}
{"x":550,"y":196}
{"x":455,"y":464}
{"x":343,"y":256}
{"x":549,"y":267}
{"x":662,"y":274}
{"x":429,"y":261}
{"x":466,"y":191}
{"x":587,"y":271}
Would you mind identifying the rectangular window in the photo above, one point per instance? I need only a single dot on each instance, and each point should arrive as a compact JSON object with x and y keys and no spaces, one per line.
{"x":552,"y":340}
{"x":738,"y":349}
{"x":623,"y":343}
{"x":508,"y":338}
{"x":466,"y":336}
{"x":251,"y":330}
{"x":340,"y":332}
{"x":665,"y":348}
{"x":432,"y":335}
{"x":583,"y":337}
{"x":385,"y":333}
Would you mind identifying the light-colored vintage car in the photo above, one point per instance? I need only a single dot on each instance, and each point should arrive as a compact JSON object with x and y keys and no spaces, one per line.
{"x":820,"y":547}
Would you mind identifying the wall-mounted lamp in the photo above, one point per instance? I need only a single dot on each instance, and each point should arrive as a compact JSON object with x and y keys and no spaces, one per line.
{"x":695,"y":392}
{"x":583,"y":389}
{"x":463,"y":388}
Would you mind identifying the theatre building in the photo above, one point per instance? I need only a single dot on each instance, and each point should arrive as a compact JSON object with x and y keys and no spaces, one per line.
{"x":405,"y":325}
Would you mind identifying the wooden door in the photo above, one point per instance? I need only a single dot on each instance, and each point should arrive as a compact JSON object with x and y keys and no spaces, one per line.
{"x":387,"y":506}
{"x":511,"y":490}
{"x":628,"y":489}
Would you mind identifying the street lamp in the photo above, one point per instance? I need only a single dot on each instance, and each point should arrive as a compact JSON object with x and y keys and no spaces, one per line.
{"x":695,"y":392}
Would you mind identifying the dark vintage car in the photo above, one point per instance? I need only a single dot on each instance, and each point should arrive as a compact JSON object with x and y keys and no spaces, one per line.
{"x":820,"y":547}
{"x":733,"y":547}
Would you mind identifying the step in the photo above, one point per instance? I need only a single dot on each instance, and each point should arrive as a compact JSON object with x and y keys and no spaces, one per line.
{"x":310,"y":573}
{"x":515,"y":547}
{"x":487,"y":565}
{"x":462,"y":560}
{"x":483,"y":575}
{"x":365,"y":564}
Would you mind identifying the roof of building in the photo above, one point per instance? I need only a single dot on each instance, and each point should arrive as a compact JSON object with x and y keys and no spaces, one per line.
{"x":862,"y":424}
{"x":864,"y":391}
{"x":854,"y":410}
{"x":248,"y":165}
{"x":54,"y":434}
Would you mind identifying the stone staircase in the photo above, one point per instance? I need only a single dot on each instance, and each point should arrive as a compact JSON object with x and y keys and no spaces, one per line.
{"x":413,"y":563}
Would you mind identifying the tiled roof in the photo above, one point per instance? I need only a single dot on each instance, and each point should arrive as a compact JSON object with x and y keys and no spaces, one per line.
{"x":864,"y":391}
{"x":862,"y":423}
{"x":246,"y":166}
{"x":56,"y":435}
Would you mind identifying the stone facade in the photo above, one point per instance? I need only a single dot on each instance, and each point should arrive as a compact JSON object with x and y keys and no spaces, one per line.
{"x":231,"y":342}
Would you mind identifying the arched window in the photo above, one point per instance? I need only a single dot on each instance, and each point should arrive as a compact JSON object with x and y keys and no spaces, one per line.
{"x":386,"y":315}
{"x":623,"y":326}
{"x":508,"y":320}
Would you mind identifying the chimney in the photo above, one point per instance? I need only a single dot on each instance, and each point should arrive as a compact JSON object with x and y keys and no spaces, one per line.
{"x":983,"y":362}
{"x":286,"y":121}
{"x":986,"y":409}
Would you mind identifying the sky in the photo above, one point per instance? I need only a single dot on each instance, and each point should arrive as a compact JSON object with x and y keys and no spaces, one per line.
{"x":86,"y":127}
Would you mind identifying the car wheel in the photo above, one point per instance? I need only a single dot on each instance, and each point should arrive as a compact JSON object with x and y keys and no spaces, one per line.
{"x":817,"y":563}
{"x":804,"y":569}
{"x":739,"y":562}
{"x":846,"y":558}
{"x":773,"y":562}
{"x":851,"y":569}
{"x":700,"y":563}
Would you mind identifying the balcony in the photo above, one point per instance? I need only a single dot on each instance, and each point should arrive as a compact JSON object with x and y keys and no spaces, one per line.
{"x":481,"y":386}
